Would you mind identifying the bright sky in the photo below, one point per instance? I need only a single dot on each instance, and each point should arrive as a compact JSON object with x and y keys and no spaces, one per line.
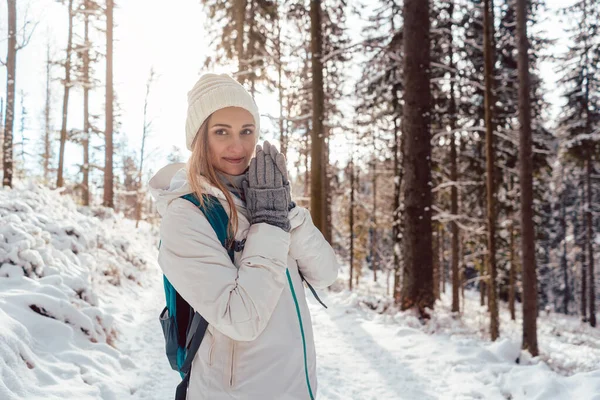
{"x":149,"y":33}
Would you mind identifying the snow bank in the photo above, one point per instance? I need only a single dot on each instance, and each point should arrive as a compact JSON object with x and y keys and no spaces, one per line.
{"x":58,"y":262}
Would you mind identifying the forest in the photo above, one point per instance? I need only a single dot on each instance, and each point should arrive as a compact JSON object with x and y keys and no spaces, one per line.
{"x":443,"y":147}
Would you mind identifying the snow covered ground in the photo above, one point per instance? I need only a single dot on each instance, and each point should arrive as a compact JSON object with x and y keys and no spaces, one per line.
{"x":80,"y":292}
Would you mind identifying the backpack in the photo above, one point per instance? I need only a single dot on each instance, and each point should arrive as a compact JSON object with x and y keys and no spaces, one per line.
{"x":183,"y":328}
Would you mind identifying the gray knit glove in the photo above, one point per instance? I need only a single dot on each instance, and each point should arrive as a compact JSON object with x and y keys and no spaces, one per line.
{"x":267,"y":188}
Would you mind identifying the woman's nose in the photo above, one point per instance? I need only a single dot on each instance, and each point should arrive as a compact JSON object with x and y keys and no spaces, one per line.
{"x":236,"y":144}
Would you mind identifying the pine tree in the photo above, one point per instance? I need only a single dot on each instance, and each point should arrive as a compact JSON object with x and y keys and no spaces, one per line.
{"x":417,"y":289}
{"x":318,"y":109}
{"x":244,"y":30}
{"x":490,"y":187}
{"x":526,"y":178}
{"x":379,"y":92}
{"x":580,"y":118}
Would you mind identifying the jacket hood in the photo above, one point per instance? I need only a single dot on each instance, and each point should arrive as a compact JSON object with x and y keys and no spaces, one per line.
{"x":171,"y":182}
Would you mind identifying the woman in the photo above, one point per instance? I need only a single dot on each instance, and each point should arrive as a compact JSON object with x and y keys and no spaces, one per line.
{"x":255,"y":346}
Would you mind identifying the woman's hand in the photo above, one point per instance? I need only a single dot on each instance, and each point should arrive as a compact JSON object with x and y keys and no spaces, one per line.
{"x":267,"y":188}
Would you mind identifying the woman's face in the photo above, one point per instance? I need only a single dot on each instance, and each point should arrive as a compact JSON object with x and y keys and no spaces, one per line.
{"x":231,"y":139}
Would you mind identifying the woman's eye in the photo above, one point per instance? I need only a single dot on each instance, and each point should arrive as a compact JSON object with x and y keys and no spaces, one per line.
{"x":220,"y":132}
{"x":247,"y":132}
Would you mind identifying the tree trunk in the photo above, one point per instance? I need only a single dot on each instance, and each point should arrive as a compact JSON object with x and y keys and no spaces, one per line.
{"x":240,"y":19}
{"x":512,"y":274}
{"x":436,"y":259}
{"x":326,"y":198}
{"x":491,"y":214}
{"x":417,"y":285}
{"x":138,"y":205}
{"x":108,"y":132}
{"x":1,"y":129}
{"x":282,"y":133}
{"x":590,"y":240}
{"x":453,"y":178}
{"x":443,"y":258}
{"x":65,"y":107}
{"x":47,"y":111}
{"x":398,"y":176}
{"x":351,"y":168}
{"x":397,"y":148}
{"x":358,"y":269}
{"x":86,"y":113}
{"x":306,"y":163}
{"x":374,"y":247}
{"x":529,"y":276}
{"x":316,"y":148}
{"x":584,"y":290}
{"x":563,"y":260}
{"x":11,"y":79}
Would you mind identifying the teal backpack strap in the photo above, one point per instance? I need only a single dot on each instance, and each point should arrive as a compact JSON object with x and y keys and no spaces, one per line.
{"x":216,"y":216}
{"x":219,"y":220}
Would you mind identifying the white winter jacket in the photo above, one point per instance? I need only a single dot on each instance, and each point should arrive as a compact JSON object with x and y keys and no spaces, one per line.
{"x":255,"y":346}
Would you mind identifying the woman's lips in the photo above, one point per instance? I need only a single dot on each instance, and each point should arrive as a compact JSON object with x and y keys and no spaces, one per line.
{"x":234,"y":160}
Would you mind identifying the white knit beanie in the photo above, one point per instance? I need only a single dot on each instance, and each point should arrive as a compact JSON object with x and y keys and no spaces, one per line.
{"x":211,"y":93}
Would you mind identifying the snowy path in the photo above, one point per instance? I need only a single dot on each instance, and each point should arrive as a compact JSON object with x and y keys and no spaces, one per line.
{"x":142,"y":340}
{"x":363,"y":355}
{"x":361,"y":358}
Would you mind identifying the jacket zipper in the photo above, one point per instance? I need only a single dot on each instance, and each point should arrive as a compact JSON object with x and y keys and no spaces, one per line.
{"x":232,"y":364}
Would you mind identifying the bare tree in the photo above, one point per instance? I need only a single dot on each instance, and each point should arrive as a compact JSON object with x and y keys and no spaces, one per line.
{"x":19,"y":162}
{"x":11,"y":82}
{"x":417,"y":285}
{"x":145,"y":133}
{"x":67,"y":84}
{"x":47,"y":144}
{"x":108,"y":200}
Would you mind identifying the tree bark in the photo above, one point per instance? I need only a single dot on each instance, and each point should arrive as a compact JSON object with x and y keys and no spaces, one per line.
{"x":11,"y":79}
{"x":513,"y":273}
{"x":65,"y":107}
{"x":374,"y":247}
{"x":584,"y":289}
{"x":443,"y":258}
{"x":282,"y":133}
{"x":590,"y":240}
{"x":437,"y":249}
{"x":417,"y":285}
{"x":47,"y":111}
{"x":138,"y":206}
{"x":491,"y":191}
{"x":240,"y":19}
{"x":563,"y":260}
{"x":529,"y":276}
{"x":86,"y":113}
{"x":316,"y":153}
{"x":326,"y":198}
{"x":396,"y":148}
{"x":108,"y":132}
{"x":453,"y":178}
{"x":351,"y":168}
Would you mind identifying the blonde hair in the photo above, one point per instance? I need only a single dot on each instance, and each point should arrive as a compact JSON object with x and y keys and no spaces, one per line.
{"x":200,"y":164}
